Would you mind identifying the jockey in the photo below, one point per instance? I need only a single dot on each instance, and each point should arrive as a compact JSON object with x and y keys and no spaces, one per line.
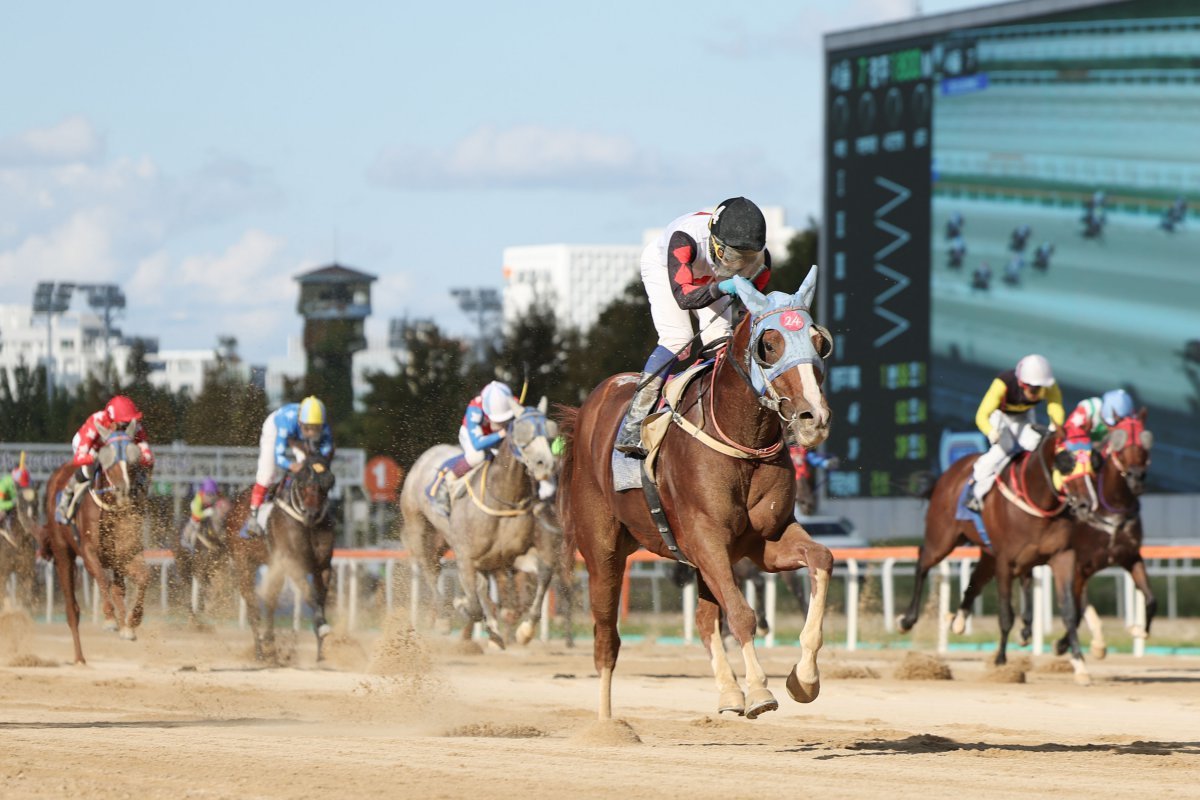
{"x":119,"y":415}
{"x":1091,"y":420}
{"x":10,"y":484}
{"x":203,"y":506}
{"x":1006,"y":418}
{"x":286,"y":432}
{"x":479,"y":435}
{"x":685,"y":270}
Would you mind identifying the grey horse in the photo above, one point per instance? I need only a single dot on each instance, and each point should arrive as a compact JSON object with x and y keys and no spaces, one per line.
{"x":18,"y":547}
{"x":492,"y":521}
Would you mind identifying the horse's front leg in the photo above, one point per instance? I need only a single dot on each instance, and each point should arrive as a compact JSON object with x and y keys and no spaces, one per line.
{"x":320,"y":589}
{"x":708,"y":622}
{"x":717,"y":572}
{"x":140,"y":573}
{"x":1138,"y":571}
{"x":533,"y":614}
{"x":272,"y":586}
{"x":1063,"y":565}
{"x":1004,"y":581}
{"x":793,"y":550}
{"x":64,"y":565}
{"x":984,"y":569}
{"x":91,"y":562}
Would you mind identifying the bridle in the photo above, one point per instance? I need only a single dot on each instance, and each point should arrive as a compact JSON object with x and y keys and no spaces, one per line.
{"x":293,"y":503}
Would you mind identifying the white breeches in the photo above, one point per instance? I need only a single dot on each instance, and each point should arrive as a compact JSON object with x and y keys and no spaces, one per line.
{"x":1012,"y":433}
{"x":268,"y":471}
{"x":474,"y":457}
{"x":674,"y":324}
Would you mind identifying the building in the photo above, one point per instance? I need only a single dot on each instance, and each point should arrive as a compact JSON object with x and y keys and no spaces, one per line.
{"x":74,"y":341}
{"x":579,"y":281}
{"x":335,"y":301}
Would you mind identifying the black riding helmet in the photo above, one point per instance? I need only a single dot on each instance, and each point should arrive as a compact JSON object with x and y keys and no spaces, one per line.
{"x":739,"y":224}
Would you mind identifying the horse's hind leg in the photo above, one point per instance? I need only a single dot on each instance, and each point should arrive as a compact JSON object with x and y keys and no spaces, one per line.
{"x":1026,"y":609}
{"x":708,"y":622}
{"x":1138,"y":571}
{"x":140,"y":573}
{"x":64,"y":565}
{"x":245,"y":571}
{"x":1004,"y":582}
{"x":533,"y":614}
{"x":983,"y":572}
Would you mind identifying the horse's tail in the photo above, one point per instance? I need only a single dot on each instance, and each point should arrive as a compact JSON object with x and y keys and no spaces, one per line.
{"x":567,"y":417}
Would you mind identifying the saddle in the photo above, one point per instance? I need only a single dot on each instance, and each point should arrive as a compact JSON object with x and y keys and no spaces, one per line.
{"x":655,"y":428}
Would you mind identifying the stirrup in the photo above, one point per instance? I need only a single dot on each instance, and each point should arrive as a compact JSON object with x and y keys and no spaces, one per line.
{"x":630,"y":444}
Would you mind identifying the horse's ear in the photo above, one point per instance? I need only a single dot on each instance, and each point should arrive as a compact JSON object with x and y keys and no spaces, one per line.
{"x":543,"y":404}
{"x":808,"y":289}
{"x":1142,"y":415}
{"x":753,"y":299}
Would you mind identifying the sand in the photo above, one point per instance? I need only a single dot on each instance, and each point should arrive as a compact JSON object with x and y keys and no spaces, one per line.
{"x":187,"y":713}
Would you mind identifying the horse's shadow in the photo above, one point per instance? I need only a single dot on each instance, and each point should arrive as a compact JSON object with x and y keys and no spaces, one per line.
{"x":926,"y":743}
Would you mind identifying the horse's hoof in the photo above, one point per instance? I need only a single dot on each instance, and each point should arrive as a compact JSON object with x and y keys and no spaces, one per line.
{"x":802,"y":692}
{"x":1099,"y":652}
{"x":903,"y":624}
{"x":1138,"y":632}
{"x":129,"y":634}
{"x":958,"y":625}
{"x":732,"y":701}
{"x":324,"y":631}
{"x":1060,"y":647}
{"x":1081,"y":675}
{"x":759,"y":702}
{"x":496,"y":639}
{"x":111,"y":625}
{"x":525,"y":632}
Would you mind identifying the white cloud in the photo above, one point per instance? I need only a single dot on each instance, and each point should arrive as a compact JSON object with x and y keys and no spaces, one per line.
{"x":521,"y":157}
{"x":243,"y":275}
{"x":72,"y":140}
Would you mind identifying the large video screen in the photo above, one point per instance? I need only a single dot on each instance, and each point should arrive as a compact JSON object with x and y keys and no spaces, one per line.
{"x":997,"y":191}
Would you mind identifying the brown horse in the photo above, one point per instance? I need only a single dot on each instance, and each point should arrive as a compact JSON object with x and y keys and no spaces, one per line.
{"x":298,"y":543}
{"x":106,"y":532}
{"x":200,"y":553}
{"x":1027,"y":524}
{"x":1111,"y":534}
{"x":727,"y":489}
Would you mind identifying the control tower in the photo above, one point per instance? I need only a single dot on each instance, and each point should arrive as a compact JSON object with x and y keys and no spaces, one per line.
{"x":334,"y":301}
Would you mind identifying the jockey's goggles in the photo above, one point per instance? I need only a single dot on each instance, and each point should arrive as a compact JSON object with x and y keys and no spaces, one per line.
{"x":310,"y":432}
{"x":732,"y":257}
{"x":1036,"y":392}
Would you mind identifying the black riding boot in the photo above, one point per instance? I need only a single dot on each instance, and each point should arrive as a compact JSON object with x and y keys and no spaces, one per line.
{"x":629,"y":437}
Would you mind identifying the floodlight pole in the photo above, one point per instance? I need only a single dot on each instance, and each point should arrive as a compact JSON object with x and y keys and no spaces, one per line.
{"x":481,"y":302}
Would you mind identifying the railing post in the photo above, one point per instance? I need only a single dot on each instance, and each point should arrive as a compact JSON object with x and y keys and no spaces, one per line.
{"x":851,"y":603}
{"x":943,"y":643}
{"x":352,"y":622}
{"x":48,"y":572}
{"x":296,"y":601}
{"x":242,"y":612}
{"x":771,"y":592}
{"x":389,"y":574}
{"x":1139,"y":621}
{"x":888,"y":587}
{"x":544,"y":622}
{"x":164,"y":577}
{"x":1128,"y":590}
{"x":195,"y":595}
{"x":689,"y":611}
{"x":414,"y":592}
{"x":1039,"y":616}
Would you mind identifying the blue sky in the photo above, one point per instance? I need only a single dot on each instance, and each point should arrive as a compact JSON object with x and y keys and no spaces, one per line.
{"x":201,"y":156}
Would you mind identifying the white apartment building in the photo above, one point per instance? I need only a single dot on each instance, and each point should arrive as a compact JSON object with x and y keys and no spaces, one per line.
{"x":578,"y":281}
{"x":74,"y":341}
{"x":184,"y":370}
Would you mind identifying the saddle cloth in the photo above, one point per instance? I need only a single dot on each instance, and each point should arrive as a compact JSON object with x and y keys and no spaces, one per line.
{"x":967,"y":515}
{"x":627,"y":472}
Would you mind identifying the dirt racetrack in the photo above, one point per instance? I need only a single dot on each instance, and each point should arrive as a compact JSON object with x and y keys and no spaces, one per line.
{"x":186,"y":713}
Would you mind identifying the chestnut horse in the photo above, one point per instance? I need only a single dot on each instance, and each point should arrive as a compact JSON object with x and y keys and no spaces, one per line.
{"x":727,"y":489}
{"x":298,"y":543}
{"x":106,"y":532}
{"x":1111,"y":535}
{"x":1028,"y":530}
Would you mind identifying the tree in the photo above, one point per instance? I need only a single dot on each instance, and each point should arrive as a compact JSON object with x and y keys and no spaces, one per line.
{"x":228,"y":410}
{"x":419,"y":406}
{"x":534,"y":347}
{"x":788,"y":273}
{"x":620,"y":340}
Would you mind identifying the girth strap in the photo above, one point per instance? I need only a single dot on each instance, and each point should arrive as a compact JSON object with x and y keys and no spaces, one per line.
{"x":654,"y":501}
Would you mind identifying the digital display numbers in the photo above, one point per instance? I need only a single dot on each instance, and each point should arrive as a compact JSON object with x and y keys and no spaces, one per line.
{"x":877,"y":202}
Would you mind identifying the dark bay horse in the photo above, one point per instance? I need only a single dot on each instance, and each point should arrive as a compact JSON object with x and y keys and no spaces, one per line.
{"x":491,"y":525}
{"x":199,"y":555}
{"x":298,"y":544}
{"x":19,"y":545}
{"x":727,"y":487}
{"x":106,"y":532}
{"x":1111,"y":533}
{"x":1028,"y":523}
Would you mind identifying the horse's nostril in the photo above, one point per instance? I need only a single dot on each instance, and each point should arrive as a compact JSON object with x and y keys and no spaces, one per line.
{"x":806,"y":415}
